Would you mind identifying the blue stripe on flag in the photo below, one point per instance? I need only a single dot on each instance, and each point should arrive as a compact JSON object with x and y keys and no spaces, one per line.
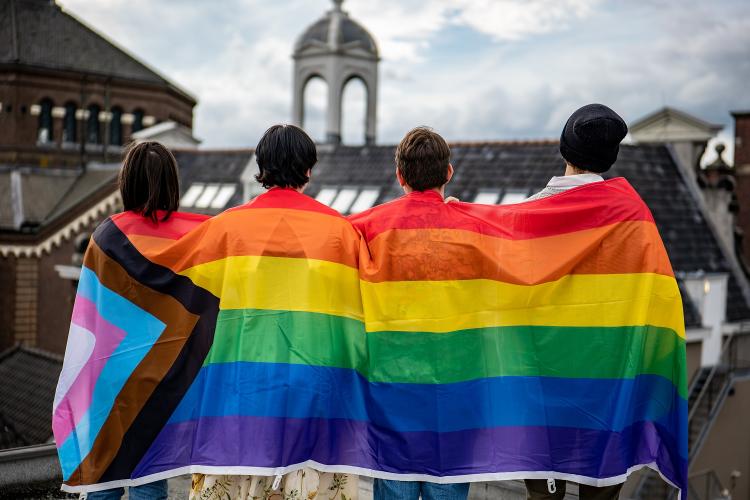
{"x":142,"y":329}
{"x":302,"y":391}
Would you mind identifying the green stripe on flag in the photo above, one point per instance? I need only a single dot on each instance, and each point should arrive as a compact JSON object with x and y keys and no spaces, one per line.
{"x":439,"y":358}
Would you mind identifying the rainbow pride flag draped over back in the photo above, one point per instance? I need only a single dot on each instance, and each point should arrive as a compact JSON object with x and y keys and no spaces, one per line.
{"x":129,"y":351}
{"x":456,"y":342}
{"x":538,"y":340}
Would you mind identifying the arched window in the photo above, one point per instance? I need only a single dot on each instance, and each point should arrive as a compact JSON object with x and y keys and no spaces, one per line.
{"x":93,"y":133}
{"x":137,"y":120}
{"x":354,"y":112}
{"x":70,"y":124}
{"x":315,"y":99}
{"x":45,"y":132}
{"x":115,"y":127}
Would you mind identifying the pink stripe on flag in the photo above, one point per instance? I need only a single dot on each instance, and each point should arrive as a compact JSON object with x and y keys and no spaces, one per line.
{"x":77,"y":400}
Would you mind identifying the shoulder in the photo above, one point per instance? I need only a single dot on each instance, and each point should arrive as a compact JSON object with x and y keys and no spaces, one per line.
{"x":371,"y":221}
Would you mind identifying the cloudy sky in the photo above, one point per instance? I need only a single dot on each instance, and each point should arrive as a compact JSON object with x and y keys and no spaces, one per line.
{"x":472,"y":69}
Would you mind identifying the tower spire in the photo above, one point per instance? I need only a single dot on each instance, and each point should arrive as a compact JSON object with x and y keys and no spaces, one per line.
{"x":337,"y":5}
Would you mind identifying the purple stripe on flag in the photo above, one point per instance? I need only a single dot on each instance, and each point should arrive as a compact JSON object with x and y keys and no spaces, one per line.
{"x":77,"y":400}
{"x":275,"y":442}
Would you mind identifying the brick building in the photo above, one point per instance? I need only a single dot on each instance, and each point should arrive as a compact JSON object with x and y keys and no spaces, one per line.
{"x":742,"y":173}
{"x":68,"y":95}
{"x":69,"y":100}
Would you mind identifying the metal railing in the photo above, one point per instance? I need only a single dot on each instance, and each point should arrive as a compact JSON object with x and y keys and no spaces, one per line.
{"x":734,"y":363}
{"x":705,"y":485}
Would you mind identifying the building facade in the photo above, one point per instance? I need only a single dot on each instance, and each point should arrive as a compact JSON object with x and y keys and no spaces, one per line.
{"x":68,"y":95}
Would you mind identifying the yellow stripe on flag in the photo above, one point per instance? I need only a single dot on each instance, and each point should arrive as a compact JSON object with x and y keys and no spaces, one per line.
{"x":573,"y":300}
{"x":281,"y":283}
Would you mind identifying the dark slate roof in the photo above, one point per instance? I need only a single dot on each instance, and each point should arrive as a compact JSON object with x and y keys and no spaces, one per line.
{"x":213,"y":166}
{"x":48,"y":194}
{"x":39,"y":33}
{"x":527,"y":166}
{"x":26,"y":415}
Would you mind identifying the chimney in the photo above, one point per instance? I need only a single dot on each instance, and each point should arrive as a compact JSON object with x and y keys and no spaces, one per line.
{"x":742,"y":175}
{"x":717,"y":183}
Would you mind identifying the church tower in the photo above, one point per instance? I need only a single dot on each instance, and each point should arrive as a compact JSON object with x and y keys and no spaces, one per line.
{"x":336,"y":49}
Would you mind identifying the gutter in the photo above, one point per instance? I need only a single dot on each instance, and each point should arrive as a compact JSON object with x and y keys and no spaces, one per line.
{"x":22,"y":467}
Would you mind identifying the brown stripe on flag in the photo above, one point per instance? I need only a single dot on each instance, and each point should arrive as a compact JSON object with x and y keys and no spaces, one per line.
{"x":149,"y":372}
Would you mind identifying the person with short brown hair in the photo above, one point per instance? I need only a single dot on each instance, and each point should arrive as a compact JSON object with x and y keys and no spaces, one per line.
{"x":423,"y":169}
{"x":423,"y":159}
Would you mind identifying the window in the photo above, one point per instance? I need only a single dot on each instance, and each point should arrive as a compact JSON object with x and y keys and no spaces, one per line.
{"x":45,"y":132}
{"x":93,"y":133}
{"x":222,"y":197}
{"x":366,"y":199}
{"x":487,"y":197}
{"x":214,"y":196}
{"x":344,"y":200}
{"x":326,"y":195}
{"x":115,"y":127}
{"x":348,"y":199}
{"x":137,"y":120}
{"x":70,"y":124}
{"x":204,"y":200}
{"x":192,"y":194}
{"x":514,"y":197}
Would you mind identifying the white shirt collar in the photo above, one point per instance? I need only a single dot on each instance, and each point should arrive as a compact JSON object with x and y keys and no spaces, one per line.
{"x":570,"y":181}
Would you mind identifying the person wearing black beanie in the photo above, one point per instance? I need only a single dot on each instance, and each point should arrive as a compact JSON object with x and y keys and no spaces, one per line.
{"x":589,"y":144}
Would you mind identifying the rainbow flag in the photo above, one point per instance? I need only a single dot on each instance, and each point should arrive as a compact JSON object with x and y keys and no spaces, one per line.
{"x":129,"y":350}
{"x":454,"y":342}
{"x":538,"y":340}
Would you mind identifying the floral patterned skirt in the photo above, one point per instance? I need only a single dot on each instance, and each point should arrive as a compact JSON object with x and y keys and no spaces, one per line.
{"x":304,"y":484}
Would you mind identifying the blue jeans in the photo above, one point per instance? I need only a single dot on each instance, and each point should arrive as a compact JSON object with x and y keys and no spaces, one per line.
{"x":151,"y":491}
{"x":411,"y":490}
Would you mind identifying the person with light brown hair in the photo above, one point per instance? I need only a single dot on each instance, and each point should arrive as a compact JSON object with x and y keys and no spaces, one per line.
{"x":423,"y":169}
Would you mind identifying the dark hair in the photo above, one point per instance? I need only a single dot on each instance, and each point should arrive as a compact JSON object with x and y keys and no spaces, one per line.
{"x":148,"y":180}
{"x":284,"y":154}
{"x":422,"y":159}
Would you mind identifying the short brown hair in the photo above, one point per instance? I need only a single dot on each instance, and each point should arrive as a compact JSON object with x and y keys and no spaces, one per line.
{"x":422,"y":159}
{"x":148,"y":180}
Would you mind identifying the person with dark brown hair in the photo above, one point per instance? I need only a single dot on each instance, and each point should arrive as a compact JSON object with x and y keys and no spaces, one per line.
{"x":286,"y":156}
{"x":150,"y":187}
{"x":423,"y":169}
{"x":149,"y":183}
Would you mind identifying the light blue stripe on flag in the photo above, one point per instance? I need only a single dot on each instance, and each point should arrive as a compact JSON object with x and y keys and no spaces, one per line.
{"x":142,"y":329}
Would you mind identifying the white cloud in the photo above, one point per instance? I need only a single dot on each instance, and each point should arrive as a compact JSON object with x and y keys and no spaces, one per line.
{"x":518,"y":19}
{"x":492,"y":69}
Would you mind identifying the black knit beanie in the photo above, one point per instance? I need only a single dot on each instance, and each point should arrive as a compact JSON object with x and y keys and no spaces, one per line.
{"x":591,"y":138}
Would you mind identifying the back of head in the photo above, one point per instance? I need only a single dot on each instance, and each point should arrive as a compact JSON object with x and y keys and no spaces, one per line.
{"x":149,"y":181}
{"x":422,"y":159}
{"x":591,"y":138}
{"x":285,"y":154}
